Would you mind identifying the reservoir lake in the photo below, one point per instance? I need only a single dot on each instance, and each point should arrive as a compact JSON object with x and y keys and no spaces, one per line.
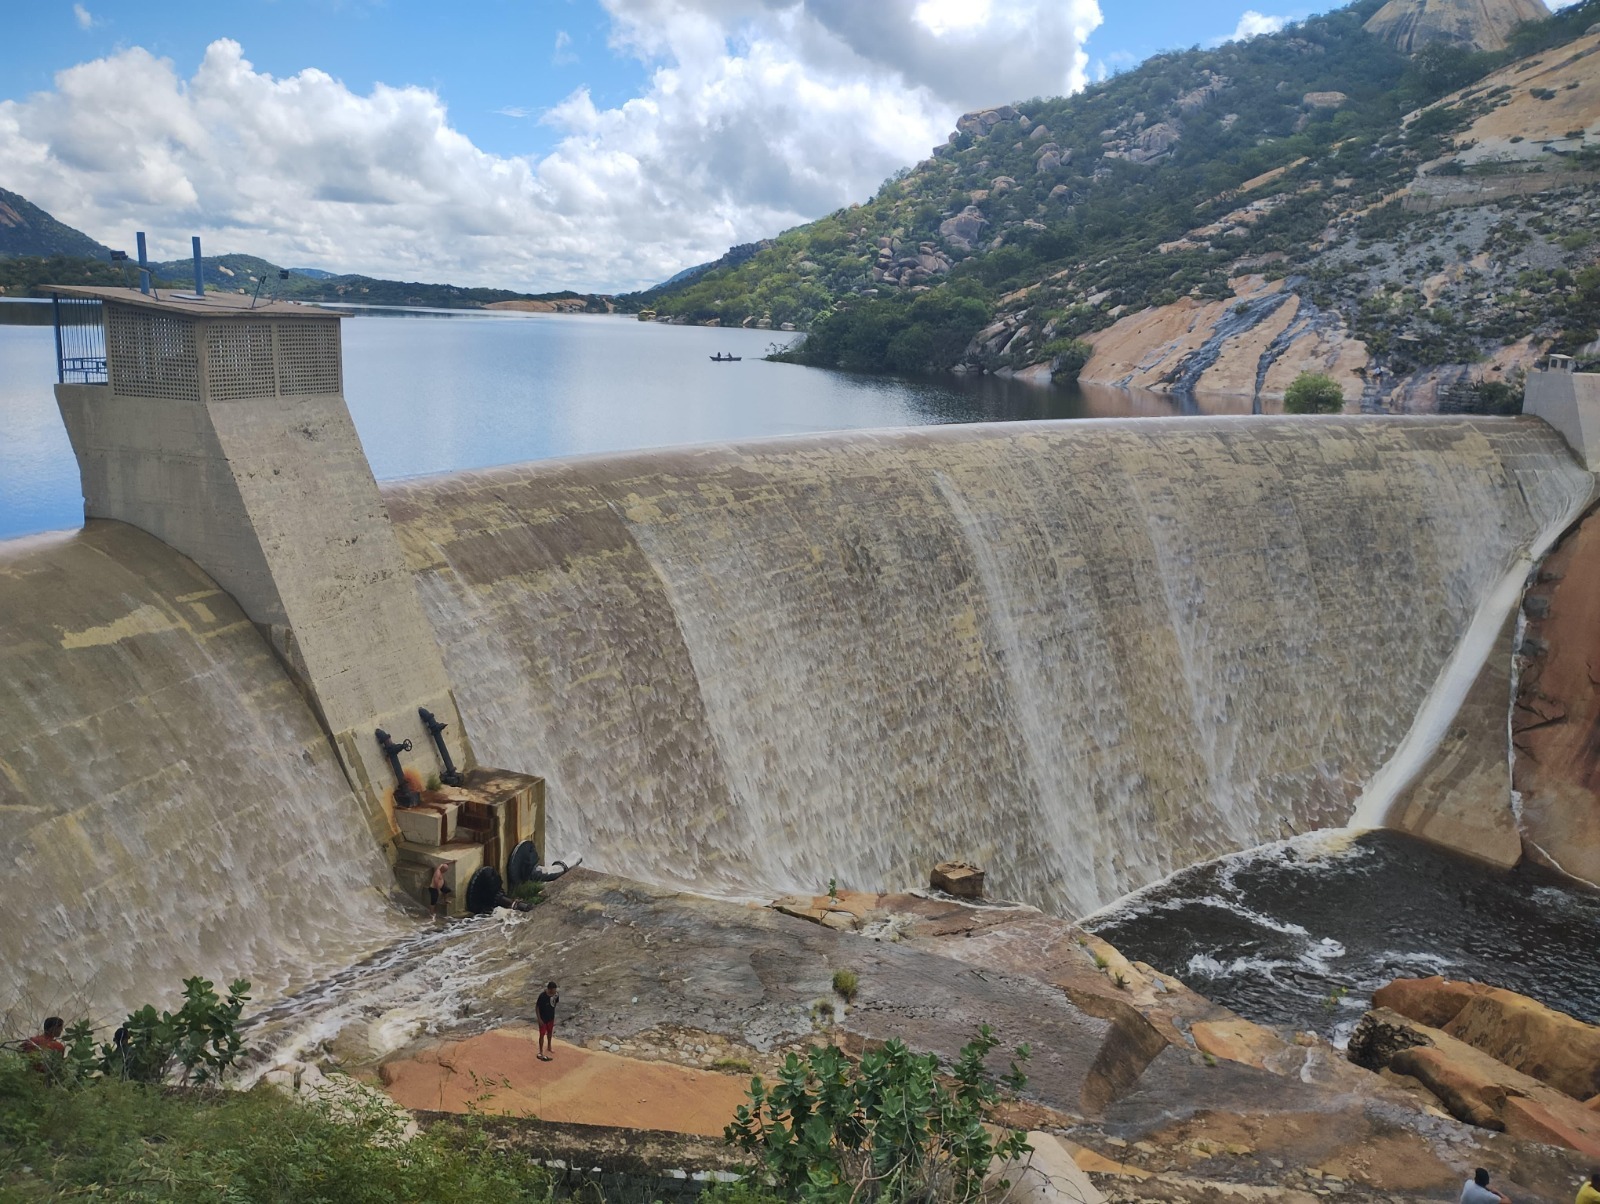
{"x":439,"y":390}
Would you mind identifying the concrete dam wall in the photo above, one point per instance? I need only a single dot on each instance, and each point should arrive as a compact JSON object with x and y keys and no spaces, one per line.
{"x":1084,"y":655}
{"x":171,"y":805}
{"x":1081,"y":654}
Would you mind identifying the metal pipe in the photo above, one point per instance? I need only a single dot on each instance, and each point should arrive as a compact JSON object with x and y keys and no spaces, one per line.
{"x":144,"y":266}
{"x":61,"y":363}
{"x":404,"y":796}
{"x":451,"y":775}
{"x":199,"y":277}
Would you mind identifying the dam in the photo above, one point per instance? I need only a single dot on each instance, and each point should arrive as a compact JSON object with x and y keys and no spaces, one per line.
{"x":1084,"y":654}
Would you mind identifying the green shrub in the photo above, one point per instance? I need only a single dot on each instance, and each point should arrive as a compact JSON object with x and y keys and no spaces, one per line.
{"x":528,"y":892}
{"x":1313,"y":393}
{"x":199,"y":1043}
{"x":137,"y":1142}
{"x":1067,"y":357}
{"x":846,"y":983}
{"x":888,"y":1130}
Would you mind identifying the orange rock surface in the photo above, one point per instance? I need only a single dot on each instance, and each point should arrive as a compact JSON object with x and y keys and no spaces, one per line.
{"x":499,"y":1073}
{"x":1432,"y":1001}
{"x":1556,"y":724}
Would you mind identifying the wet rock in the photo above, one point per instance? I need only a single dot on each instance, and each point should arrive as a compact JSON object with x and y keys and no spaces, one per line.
{"x":1517,"y":1031}
{"x":1537,"y":1040}
{"x":1379,"y":1036}
{"x":1237,"y":1040}
{"x":1432,"y":1001}
{"x":1472,"y":1086}
{"x":1556,"y":722}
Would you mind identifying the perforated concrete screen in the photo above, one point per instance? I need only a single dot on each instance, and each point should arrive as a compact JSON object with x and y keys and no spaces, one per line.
{"x":239,"y":360}
{"x":151,"y":355}
{"x":160,"y":355}
{"x":308,"y":357}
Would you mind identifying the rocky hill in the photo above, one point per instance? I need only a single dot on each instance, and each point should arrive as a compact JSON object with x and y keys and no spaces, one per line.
{"x":26,"y":229}
{"x":1217,"y":221}
{"x":1409,"y":25}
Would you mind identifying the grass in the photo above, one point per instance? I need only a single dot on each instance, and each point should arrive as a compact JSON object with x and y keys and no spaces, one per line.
{"x":528,"y":892}
{"x":133,"y":1142}
{"x":731,"y":1066}
{"x":846,"y":983}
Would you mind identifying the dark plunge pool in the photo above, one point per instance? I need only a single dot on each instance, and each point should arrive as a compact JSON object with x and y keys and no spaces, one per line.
{"x":1301,"y":933}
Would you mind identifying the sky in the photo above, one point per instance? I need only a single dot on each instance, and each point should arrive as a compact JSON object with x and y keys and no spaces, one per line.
{"x":600,"y":145}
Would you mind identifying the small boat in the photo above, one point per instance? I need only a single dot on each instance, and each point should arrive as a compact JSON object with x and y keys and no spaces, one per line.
{"x":719,"y":358}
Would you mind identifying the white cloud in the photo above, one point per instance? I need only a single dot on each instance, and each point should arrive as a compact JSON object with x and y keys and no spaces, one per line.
{"x":1252,"y":24}
{"x":563,"y":55}
{"x":517,"y":111}
{"x":84,"y":18}
{"x":757,"y":115}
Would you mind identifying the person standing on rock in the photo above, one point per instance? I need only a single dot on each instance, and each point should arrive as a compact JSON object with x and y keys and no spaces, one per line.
{"x":1477,"y":1190}
{"x":1589,"y":1193}
{"x":547,"y":1021}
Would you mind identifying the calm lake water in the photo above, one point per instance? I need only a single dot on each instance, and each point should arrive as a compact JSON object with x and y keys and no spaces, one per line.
{"x":433,"y":391}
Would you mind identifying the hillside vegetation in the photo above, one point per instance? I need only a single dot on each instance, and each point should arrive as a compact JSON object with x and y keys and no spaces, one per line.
{"x":26,"y":229}
{"x":1289,"y":160}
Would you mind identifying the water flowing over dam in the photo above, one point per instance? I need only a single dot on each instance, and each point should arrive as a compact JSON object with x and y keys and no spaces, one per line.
{"x":1084,"y":656}
{"x":171,"y":805}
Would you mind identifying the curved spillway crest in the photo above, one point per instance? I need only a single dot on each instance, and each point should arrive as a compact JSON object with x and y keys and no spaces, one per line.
{"x":171,"y":805}
{"x":1082,"y":654}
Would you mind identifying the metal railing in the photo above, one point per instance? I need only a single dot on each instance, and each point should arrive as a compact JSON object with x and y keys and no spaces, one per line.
{"x":80,"y":340}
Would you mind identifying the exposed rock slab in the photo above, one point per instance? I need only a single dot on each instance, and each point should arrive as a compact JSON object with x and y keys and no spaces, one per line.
{"x":1475,"y":1087}
{"x":1461,"y":799}
{"x":1556,"y":723}
{"x":1522,"y":1033}
{"x":498,"y":1072}
{"x":1409,"y":25}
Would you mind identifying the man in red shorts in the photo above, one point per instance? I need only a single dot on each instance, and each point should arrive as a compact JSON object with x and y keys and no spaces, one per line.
{"x":547,"y":1021}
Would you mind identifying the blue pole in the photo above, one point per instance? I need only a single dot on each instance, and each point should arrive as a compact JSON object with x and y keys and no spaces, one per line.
{"x":144,"y":266}
{"x":199,"y":279}
{"x":61,"y":364}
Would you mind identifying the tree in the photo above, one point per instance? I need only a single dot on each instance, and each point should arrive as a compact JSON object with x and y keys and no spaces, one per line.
{"x":885,"y":1132}
{"x":1313,"y":393}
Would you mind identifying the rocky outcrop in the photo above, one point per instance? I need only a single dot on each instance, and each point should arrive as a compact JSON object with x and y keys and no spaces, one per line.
{"x":1432,"y":1001}
{"x":1252,"y":345}
{"x":1409,"y":25}
{"x":1519,"y":1032}
{"x":1474,"y":1087}
{"x":1147,"y":145}
{"x":981,"y":123}
{"x":965,"y":228}
{"x":1556,"y":721}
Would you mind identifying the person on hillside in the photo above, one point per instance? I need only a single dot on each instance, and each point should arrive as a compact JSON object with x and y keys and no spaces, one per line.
{"x":547,"y":1021}
{"x":49,"y":1040}
{"x":438,"y":893}
{"x":45,"y":1048}
{"x":1477,"y":1190}
{"x":1589,"y":1193}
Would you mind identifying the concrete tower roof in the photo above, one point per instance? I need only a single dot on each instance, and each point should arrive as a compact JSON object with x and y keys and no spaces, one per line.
{"x":212,"y":305}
